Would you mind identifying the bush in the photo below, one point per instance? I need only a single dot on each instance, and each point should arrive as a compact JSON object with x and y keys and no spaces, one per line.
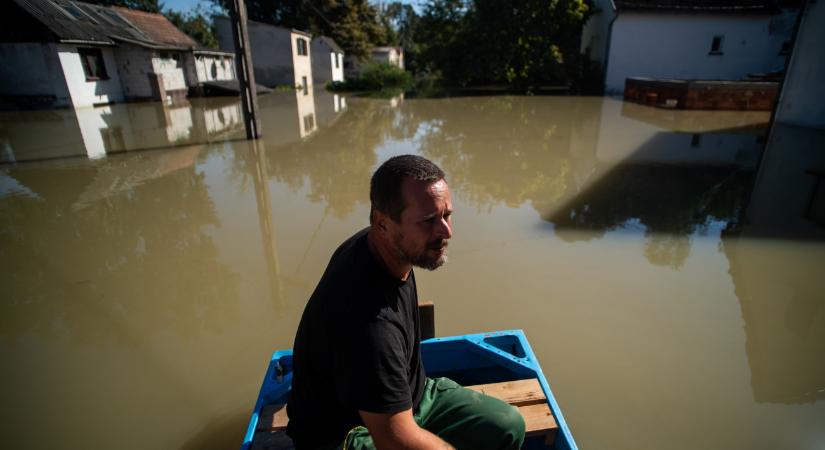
{"x":379,"y":77}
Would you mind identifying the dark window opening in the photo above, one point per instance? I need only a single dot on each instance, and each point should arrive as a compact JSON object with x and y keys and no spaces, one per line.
{"x":786,"y":48}
{"x":716,"y":45}
{"x":305,"y":85}
{"x":93,"y":66}
{"x":302,"y":46}
{"x":309,"y":122}
{"x":696,"y":140}
{"x":337,"y":60}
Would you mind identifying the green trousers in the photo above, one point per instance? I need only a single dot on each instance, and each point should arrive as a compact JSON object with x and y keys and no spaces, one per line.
{"x":466,"y":419}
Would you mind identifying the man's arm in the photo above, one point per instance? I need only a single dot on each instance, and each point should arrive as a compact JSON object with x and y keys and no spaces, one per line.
{"x":399,"y":431}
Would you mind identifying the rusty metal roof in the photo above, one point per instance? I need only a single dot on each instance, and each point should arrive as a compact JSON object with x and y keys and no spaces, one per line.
{"x":77,"y":22}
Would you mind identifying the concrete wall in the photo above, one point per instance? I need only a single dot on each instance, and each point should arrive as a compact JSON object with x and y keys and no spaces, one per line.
{"x":33,"y":69}
{"x":89,"y":92}
{"x":134,"y":64}
{"x":274,"y":55}
{"x":802,"y":100}
{"x":170,"y":65}
{"x":678,"y":46}
{"x":214,"y":67}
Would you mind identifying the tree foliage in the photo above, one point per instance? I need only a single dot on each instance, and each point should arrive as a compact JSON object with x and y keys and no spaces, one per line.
{"x":522,"y":43}
{"x":196,"y":24}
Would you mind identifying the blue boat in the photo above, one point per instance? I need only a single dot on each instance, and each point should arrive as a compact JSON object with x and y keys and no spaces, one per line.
{"x":499,"y":363}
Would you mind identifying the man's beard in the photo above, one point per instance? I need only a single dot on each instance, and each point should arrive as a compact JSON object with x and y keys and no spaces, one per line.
{"x":422,"y":260}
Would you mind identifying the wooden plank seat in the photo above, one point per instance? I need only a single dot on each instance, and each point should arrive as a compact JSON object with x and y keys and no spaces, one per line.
{"x":526,"y":395}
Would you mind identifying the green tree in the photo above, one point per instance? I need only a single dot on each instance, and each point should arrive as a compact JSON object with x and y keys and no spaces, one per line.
{"x":197,"y":24}
{"x":523,"y":43}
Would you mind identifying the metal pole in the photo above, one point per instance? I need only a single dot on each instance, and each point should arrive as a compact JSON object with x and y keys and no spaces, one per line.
{"x":244,"y":69}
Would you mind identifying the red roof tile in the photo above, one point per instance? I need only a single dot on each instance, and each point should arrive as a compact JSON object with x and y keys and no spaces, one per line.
{"x":156,"y":27}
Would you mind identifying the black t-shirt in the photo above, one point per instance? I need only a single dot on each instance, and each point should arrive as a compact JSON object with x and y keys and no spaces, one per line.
{"x":357,"y":348}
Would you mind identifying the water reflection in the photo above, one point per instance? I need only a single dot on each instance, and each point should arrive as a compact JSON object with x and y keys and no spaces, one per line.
{"x":138,"y":217}
{"x":98,"y":131}
{"x":776,"y":266}
{"x":635,"y":245}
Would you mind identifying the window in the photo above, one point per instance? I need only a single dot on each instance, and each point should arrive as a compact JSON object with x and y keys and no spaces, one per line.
{"x":716,"y":45}
{"x":309,"y":122}
{"x":305,"y":85}
{"x":337,"y":60}
{"x":302,"y":46}
{"x":93,"y":67}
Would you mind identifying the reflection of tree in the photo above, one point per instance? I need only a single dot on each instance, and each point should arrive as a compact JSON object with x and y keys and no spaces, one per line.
{"x":502,"y":149}
{"x":672,"y":202}
{"x":337,"y":162}
{"x":136,"y":257}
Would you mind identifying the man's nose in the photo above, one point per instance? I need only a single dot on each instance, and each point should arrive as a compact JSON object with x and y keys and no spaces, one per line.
{"x":445,"y":230}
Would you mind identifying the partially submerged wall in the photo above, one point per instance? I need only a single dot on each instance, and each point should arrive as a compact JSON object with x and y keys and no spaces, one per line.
{"x":697,"y":94}
{"x":31,"y":76}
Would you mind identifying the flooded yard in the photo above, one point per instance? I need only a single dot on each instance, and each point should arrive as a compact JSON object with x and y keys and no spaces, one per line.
{"x":667,"y":266}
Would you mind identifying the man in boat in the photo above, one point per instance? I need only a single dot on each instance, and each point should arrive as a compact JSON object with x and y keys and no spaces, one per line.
{"x":358,"y":380}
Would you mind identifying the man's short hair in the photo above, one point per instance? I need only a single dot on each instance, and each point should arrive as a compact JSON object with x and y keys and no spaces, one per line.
{"x":385,"y":186}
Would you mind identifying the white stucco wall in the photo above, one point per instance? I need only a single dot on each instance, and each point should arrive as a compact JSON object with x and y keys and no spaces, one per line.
{"x":214,"y":67}
{"x":85,"y":92}
{"x":337,"y":70}
{"x":302,"y":63}
{"x":33,"y":69}
{"x":164,"y":64}
{"x":678,"y":46}
{"x":802,"y":100}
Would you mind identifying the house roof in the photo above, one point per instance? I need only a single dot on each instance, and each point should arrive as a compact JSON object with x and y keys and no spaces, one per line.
{"x":725,"y":6}
{"x":330,"y":43}
{"x":157,"y":27}
{"x":78,"y":22}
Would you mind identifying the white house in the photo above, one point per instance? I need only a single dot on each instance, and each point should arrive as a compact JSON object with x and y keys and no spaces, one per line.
{"x":60,"y":53}
{"x":391,"y":55}
{"x":327,"y":60}
{"x":280,"y":56}
{"x":686,"y":39}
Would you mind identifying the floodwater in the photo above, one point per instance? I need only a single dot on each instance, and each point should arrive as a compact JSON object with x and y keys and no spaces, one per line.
{"x":667,"y":266}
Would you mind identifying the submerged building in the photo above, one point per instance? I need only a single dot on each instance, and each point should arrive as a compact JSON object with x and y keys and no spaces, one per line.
{"x":687,"y":39}
{"x":60,"y":53}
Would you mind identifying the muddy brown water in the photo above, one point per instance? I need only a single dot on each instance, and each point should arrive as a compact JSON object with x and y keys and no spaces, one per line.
{"x":667,"y":266}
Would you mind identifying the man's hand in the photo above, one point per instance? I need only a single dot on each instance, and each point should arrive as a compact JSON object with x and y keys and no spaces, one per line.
{"x":399,"y":431}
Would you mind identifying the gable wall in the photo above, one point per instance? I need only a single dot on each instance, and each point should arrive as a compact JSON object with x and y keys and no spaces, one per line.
{"x":678,"y":46}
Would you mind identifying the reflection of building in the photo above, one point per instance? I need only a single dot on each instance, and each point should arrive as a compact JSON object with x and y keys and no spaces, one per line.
{"x":776,"y":267}
{"x":63,"y":53}
{"x":800,"y":102}
{"x":328,"y":107}
{"x":280,"y":56}
{"x":686,"y":39}
{"x":641,"y":134}
{"x":327,"y":61}
{"x":96,"y":132}
{"x":305,"y":101}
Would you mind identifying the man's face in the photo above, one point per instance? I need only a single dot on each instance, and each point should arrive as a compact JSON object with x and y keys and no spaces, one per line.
{"x":421,"y":236}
